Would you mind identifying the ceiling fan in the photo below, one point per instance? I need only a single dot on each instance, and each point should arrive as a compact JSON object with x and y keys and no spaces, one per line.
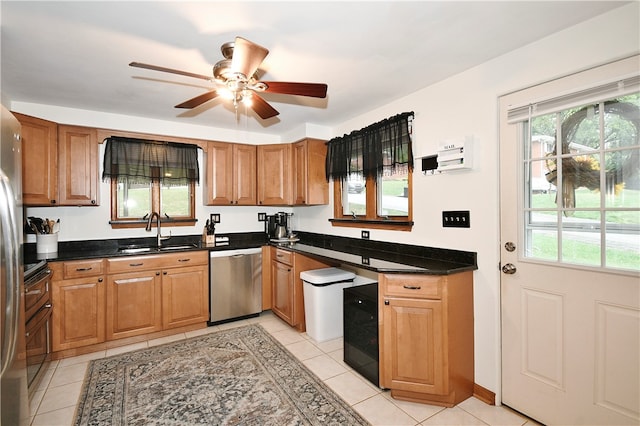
{"x":236,"y":78}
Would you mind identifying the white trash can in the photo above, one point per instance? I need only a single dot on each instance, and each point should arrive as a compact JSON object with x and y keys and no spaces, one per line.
{"x":323,"y":301}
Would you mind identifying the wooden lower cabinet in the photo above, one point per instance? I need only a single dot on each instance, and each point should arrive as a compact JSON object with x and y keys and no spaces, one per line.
{"x":287,"y":287}
{"x":185,"y":296}
{"x":78,"y":317}
{"x":102,"y":300}
{"x":134,"y":304}
{"x":426,"y":337}
{"x":282,"y":291}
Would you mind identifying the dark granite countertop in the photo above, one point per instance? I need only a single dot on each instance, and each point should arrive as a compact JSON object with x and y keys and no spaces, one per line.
{"x":382,"y":256}
{"x":378,"y":256}
{"x":91,"y":249}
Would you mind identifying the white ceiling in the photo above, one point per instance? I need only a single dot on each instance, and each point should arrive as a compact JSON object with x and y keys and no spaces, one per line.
{"x":76,"y":54}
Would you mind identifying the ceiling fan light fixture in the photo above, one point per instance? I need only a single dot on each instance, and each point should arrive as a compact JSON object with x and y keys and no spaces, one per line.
{"x":226,"y":93}
{"x":247,"y":98}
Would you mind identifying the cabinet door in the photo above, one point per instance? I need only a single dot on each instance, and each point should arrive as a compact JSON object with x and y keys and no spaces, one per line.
{"x":283,"y":297}
{"x":185,"y":296}
{"x":245,"y":174}
{"x":77,"y":166}
{"x":274,"y":174}
{"x":413,"y":350}
{"x":219,"y":176}
{"x":134,"y":304}
{"x":78,"y":313}
{"x":310,"y":186}
{"x":39,"y":161}
{"x":300,"y":173}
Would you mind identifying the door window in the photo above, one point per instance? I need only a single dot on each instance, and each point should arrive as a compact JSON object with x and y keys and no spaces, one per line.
{"x":582,"y":184}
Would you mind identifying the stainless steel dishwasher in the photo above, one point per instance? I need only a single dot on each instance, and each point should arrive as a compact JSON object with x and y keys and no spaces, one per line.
{"x":235,"y":284}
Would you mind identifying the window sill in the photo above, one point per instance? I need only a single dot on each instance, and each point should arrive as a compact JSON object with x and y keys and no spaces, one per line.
{"x":139,"y":223}
{"x":395,"y":225}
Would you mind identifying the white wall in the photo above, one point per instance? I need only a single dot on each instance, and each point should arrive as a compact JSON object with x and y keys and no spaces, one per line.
{"x":463,"y":105}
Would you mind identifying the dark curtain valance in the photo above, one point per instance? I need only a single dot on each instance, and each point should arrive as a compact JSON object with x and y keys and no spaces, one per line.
{"x":381,"y":148}
{"x":143,"y":161}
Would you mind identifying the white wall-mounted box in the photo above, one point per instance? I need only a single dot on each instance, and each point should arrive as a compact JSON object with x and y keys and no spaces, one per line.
{"x":456,"y":155}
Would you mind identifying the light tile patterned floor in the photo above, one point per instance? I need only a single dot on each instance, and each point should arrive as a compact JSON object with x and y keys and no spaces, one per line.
{"x":55,"y":400}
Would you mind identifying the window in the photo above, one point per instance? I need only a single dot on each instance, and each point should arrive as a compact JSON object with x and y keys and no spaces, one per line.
{"x":383,"y":203}
{"x":582,"y":206}
{"x":372,"y":170}
{"x":149,"y":177}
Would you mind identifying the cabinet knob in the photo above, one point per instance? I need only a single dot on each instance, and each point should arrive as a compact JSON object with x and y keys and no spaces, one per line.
{"x":164,"y":273}
{"x":157,"y":273}
{"x":386,"y":302}
{"x":100,"y":280}
{"x":93,"y":202}
{"x":53,"y":201}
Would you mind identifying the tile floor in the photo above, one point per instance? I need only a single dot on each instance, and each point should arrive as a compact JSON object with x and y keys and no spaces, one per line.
{"x":55,"y":400}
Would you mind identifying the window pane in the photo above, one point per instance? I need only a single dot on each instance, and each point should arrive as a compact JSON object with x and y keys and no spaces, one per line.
{"x":134,"y":200}
{"x":175,"y":200}
{"x":581,"y":240}
{"x":623,"y":179}
{"x":393,"y":195}
{"x":543,"y":245}
{"x":622,"y":244}
{"x":354,"y":193}
{"x":542,"y":193}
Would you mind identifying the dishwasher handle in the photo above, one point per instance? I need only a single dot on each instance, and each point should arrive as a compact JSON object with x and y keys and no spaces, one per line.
{"x":234,"y":252}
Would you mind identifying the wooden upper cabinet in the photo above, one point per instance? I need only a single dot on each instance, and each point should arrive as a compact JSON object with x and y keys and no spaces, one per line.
{"x":59,"y":163}
{"x":77,"y":166}
{"x":39,"y":161}
{"x":244,"y":173}
{"x":310,"y":186}
{"x":274,"y":174}
{"x":231,"y":174}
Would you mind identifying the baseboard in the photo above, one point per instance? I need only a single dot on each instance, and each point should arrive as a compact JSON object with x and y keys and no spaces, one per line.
{"x":484,"y":395}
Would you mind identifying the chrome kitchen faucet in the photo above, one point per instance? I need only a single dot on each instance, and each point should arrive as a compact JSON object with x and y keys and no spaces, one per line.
{"x":159,"y":236}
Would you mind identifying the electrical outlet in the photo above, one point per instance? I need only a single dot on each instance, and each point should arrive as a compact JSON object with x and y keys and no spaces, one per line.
{"x":365,"y":235}
{"x":214,"y":217}
{"x":262,"y":217}
{"x":456,"y":219}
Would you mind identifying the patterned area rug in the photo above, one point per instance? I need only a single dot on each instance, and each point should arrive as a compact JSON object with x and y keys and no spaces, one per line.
{"x":240,"y":376}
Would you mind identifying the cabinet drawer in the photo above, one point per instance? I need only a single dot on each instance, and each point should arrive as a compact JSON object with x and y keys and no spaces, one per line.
{"x":82,"y":268}
{"x":414,"y":286}
{"x":284,"y":256}
{"x":187,"y":258}
{"x":157,"y":261}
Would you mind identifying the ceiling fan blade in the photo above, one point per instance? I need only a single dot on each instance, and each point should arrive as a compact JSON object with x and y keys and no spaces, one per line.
{"x":316,"y":90}
{"x":247,"y":56}
{"x":170,"y":70}
{"x":198,"y":100}
{"x":262,"y":108}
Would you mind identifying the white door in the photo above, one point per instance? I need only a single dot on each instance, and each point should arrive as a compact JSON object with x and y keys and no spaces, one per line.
{"x":570,"y":248}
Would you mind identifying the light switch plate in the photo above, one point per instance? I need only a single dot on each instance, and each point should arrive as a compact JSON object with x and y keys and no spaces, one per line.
{"x":456,"y":219}
{"x":262,"y":217}
{"x":214,"y":217}
{"x":365,"y":235}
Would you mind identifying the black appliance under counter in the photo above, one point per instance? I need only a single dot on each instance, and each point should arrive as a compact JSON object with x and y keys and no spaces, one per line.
{"x":360,"y":327}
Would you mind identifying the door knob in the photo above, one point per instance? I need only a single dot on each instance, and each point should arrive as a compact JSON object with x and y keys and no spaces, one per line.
{"x":509,"y":268}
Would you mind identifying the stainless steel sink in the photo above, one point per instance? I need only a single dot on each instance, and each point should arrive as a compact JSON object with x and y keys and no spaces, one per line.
{"x":147,"y":249}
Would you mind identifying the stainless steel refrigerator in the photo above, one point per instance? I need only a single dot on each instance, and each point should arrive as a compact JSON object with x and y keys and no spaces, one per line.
{"x":13,"y":372}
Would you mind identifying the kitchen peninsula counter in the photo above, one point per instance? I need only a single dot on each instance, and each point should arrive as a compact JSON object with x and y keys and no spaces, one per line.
{"x":382,"y":257}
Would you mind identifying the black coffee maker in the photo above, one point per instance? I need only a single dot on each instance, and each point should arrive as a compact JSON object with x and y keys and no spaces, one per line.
{"x":278,"y":225}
